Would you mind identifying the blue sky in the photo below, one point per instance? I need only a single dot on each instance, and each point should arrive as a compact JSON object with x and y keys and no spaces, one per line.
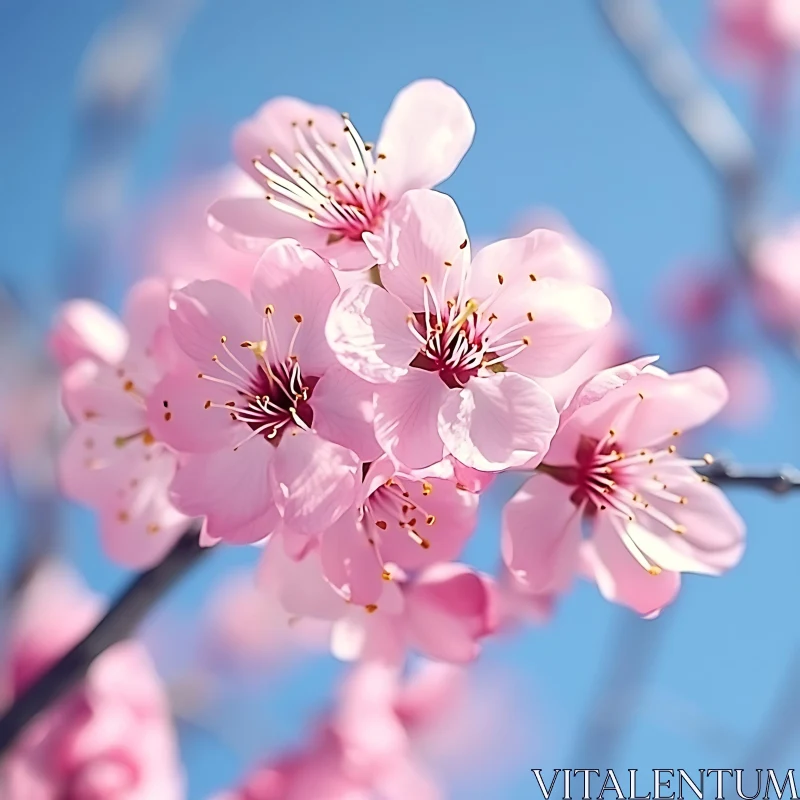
{"x":562,"y":123}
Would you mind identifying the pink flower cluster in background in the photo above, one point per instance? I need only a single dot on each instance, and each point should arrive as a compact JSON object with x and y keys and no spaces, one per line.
{"x":112,"y":737}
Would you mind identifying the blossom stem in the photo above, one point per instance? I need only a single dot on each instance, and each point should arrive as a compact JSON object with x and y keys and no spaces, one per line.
{"x":777,"y":481}
{"x":119,"y":622}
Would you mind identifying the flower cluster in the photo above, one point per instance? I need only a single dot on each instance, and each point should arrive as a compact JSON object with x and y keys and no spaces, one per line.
{"x":112,"y":737}
{"x":348,"y":403}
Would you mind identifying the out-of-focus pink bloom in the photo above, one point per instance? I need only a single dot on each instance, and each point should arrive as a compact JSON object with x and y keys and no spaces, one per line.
{"x":85,"y":329}
{"x":111,"y":460}
{"x":329,"y":189}
{"x":749,"y":387}
{"x":610,"y":466}
{"x":443,"y":611}
{"x":265,"y":417}
{"x":454,"y":346}
{"x":246,"y":627}
{"x":699,"y":304}
{"x":395,"y":519}
{"x":109,"y":739}
{"x":762,"y":31}
{"x":776,"y":280}
{"x":178,"y":243}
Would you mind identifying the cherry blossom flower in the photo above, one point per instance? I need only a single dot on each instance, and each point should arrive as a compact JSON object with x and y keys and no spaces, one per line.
{"x":109,"y":739}
{"x":764,"y":31}
{"x":455,"y":346}
{"x":269,"y":425}
{"x":442,"y":611}
{"x":111,"y":460}
{"x":329,"y":189}
{"x":612,"y":466}
{"x":776,"y":280}
{"x":395,"y":519}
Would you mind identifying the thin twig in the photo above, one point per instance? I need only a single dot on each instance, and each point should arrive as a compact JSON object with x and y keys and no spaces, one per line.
{"x":778,"y":481}
{"x":118,"y":623}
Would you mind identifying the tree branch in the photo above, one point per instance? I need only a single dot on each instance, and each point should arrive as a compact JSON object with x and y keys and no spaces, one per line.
{"x":119,"y":622}
{"x":778,"y":481}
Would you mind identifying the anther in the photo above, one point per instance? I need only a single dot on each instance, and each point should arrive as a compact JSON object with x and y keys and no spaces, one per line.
{"x":167,"y":416}
{"x":380,"y":524}
{"x":166,"y":404}
{"x":427,"y":488}
{"x":223,"y":339}
{"x":463,"y":244}
{"x":532,"y":276}
{"x":500,"y":279}
{"x":430,"y":519}
{"x":530,"y":317}
{"x":128,"y":386}
{"x":654,"y":570}
{"x":270,"y":309}
{"x":371,"y":608}
{"x":207,"y":404}
{"x":298,"y":318}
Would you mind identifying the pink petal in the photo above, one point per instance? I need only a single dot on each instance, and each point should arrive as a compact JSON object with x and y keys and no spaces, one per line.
{"x":567,"y":320}
{"x":541,"y":532}
{"x":600,"y":404}
{"x":679,"y":402}
{"x":454,"y":513}
{"x":406,"y":418}
{"x":296,"y":284}
{"x":448,"y":610}
{"x":92,"y":467}
{"x":94,"y":392}
{"x":313,"y":481}
{"x":85,"y":329}
{"x":141,"y":526}
{"x":714,"y":534}
{"x":299,"y":586}
{"x":368,"y":332}
{"x":230,"y":487}
{"x":205,"y":311}
{"x":350,"y":563}
{"x":621,"y":579}
{"x":541,"y":253}
{"x":425,"y":135}
{"x":498,"y":422}
{"x":344,"y":411}
{"x":430,"y":235}
{"x":273,"y":128}
{"x":146,"y":310}
{"x":250,"y":224}
{"x":177,"y":413}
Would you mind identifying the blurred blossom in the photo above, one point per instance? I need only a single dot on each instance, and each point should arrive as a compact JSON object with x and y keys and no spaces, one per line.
{"x":246,"y":629}
{"x":776,"y":280}
{"x":763,"y":31}
{"x":176,"y":241}
{"x":111,"y":738}
{"x":388,"y":737}
{"x":763,"y":35}
{"x":30,"y":414}
{"x":111,"y":461}
{"x":699,"y":301}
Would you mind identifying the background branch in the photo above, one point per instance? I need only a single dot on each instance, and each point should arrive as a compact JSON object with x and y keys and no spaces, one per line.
{"x":726,"y":473}
{"x":118,"y":624}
